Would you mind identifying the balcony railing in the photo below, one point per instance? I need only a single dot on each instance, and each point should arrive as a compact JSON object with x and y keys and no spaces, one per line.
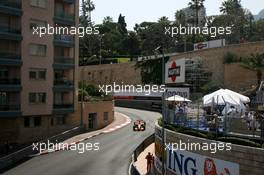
{"x":10,"y":55}
{"x":9,"y":29}
{"x":64,"y":38}
{"x":8,"y":107}
{"x":11,"y":3}
{"x":63,"y":81}
{"x":63,"y":60}
{"x":62,"y":106}
{"x":10,"y":81}
{"x":69,"y":1}
{"x":65,"y":16}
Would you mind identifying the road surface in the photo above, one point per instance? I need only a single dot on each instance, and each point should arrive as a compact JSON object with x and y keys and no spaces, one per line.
{"x":113,"y":157}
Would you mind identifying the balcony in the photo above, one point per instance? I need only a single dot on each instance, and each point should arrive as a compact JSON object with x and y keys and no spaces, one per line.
{"x":63,"y":108}
{"x":10,"y":84}
{"x":10,"y":33}
{"x":61,"y":62}
{"x":64,"y":18}
{"x":8,"y":110}
{"x":69,"y":1}
{"x":11,"y":7}
{"x":64,"y":40}
{"x":10,"y":59}
{"x":63,"y":85}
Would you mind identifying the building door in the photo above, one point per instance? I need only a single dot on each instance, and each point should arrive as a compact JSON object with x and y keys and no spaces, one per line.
{"x":92,"y":121}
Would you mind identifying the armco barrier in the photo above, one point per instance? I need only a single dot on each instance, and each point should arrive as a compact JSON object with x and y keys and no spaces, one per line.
{"x":149,"y":105}
{"x":138,"y":150}
{"x":22,"y":154}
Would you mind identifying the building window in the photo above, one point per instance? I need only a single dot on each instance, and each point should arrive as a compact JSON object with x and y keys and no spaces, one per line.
{"x":26,"y":122}
{"x":37,"y":121}
{"x":37,"y":97}
{"x":34,"y":24}
{"x":3,"y":98}
{"x":60,"y":120}
{"x":3,"y":73}
{"x":37,"y":49}
{"x":37,"y":74}
{"x":39,"y":3}
{"x":105,"y":116}
{"x":52,"y":121}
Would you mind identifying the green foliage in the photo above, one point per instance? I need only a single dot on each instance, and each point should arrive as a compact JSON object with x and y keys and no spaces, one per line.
{"x":255,"y":63}
{"x":196,"y":5}
{"x":230,"y":58}
{"x":122,"y":25}
{"x":90,"y":92}
{"x":87,"y":7}
{"x":116,"y":41}
{"x":152,"y":34}
{"x":151,"y":70}
{"x":209,"y":88}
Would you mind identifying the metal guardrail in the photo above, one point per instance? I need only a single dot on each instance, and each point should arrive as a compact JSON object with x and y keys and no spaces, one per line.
{"x":140,"y":104}
{"x":24,"y":153}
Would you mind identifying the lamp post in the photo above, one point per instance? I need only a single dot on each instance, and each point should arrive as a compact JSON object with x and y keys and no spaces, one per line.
{"x":160,"y":49}
{"x":100,"y":52}
{"x":82,"y":96}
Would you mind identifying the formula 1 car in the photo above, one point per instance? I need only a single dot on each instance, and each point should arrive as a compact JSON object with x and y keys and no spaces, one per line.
{"x":139,"y":125}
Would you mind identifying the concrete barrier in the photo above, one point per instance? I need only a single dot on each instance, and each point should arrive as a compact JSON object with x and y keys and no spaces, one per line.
{"x":11,"y":159}
{"x":249,"y":159}
{"x":148,"y":141}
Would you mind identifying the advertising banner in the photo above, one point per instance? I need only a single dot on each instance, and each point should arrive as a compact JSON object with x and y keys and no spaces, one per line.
{"x":209,"y":44}
{"x":183,"y":92}
{"x":186,"y":163}
{"x":175,"y":71}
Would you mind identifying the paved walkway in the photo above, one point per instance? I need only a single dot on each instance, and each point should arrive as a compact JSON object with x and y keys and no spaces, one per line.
{"x":120,"y":121}
{"x":141,"y":163}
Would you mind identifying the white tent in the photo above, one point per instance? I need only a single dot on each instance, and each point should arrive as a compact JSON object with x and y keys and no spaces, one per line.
{"x":226,"y":97}
{"x":178,"y":99}
{"x":243,"y":99}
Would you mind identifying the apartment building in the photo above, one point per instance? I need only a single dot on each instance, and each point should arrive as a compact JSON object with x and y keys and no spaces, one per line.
{"x":38,"y":75}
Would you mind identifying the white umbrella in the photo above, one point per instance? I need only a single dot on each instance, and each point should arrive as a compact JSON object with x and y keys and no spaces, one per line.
{"x":178,"y":98}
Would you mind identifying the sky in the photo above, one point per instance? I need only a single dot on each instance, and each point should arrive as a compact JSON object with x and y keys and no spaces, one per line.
{"x":137,"y":11}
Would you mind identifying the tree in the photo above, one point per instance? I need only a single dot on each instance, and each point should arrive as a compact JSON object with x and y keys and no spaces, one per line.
{"x":87,"y":7}
{"x":152,"y":35}
{"x":196,"y":5}
{"x":122,"y":24}
{"x":131,"y":45}
{"x":180,"y":18}
{"x":230,"y":6}
{"x":233,"y":15}
{"x":255,"y":63}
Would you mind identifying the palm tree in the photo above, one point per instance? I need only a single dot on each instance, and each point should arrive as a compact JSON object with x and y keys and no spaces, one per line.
{"x":255,"y":63}
{"x":87,"y":7}
{"x":230,"y":6}
{"x":196,"y":5}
